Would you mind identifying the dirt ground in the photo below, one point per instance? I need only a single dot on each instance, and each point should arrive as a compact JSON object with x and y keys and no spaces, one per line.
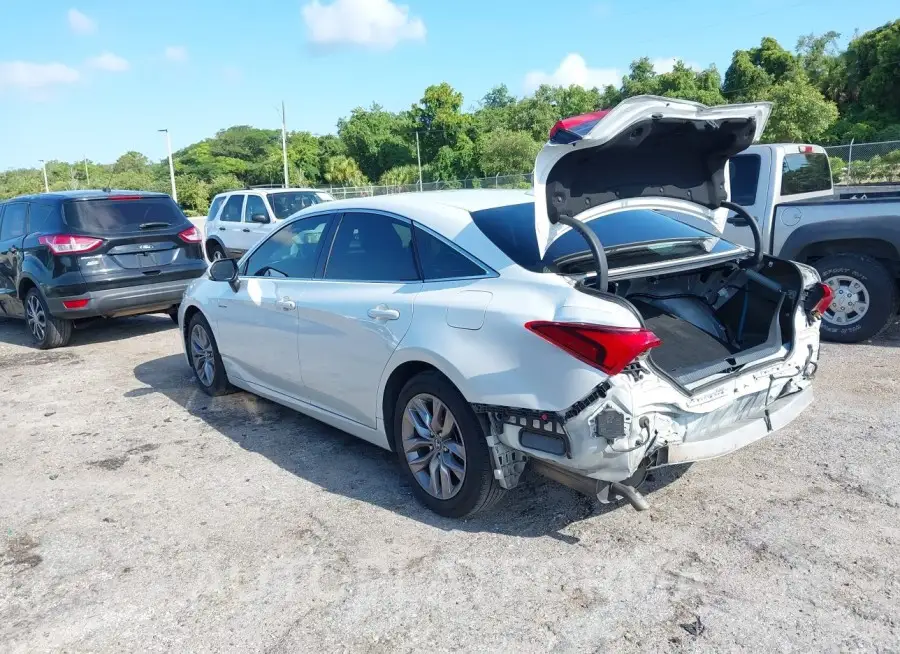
{"x":139,"y":515}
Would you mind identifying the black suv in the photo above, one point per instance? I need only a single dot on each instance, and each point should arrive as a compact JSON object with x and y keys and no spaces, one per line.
{"x":76,"y":255}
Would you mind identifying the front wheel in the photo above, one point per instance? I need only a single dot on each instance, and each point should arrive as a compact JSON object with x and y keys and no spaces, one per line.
{"x":206,"y":362}
{"x":214,"y":251}
{"x":442,"y":448}
{"x":46,"y":331}
{"x":865,"y":297}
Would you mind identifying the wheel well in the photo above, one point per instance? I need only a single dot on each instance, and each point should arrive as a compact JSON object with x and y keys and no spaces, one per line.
{"x":395,"y":383}
{"x":868,"y":246}
{"x":189,"y":314}
{"x":24,"y":286}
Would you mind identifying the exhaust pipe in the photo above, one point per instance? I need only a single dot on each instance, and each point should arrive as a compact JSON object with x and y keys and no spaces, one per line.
{"x":606,"y":492}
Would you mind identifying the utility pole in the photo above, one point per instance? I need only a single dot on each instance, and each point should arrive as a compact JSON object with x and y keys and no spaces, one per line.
{"x":419,"y":157}
{"x":287,"y":181}
{"x":44,"y":167}
{"x":171,"y":165}
{"x":87,"y":175}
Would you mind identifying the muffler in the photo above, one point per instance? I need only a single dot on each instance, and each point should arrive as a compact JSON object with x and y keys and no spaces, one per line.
{"x":606,"y":492}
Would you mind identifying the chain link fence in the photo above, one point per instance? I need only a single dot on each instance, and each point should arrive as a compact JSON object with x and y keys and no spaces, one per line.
{"x":865,"y":163}
{"x":522,"y":181}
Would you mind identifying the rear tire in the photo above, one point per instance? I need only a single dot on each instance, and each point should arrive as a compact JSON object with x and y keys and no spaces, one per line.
{"x":214,"y":251}
{"x":173,"y":314}
{"x":448,"y":444}
{"x":206,"y":362}
{"x":868,"y":283}
{"x":46,"y":331}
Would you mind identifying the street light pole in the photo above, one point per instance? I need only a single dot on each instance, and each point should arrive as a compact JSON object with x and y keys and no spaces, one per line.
{"x":287,"y":182}
{"x":171,"y":165}
{"x":44,"y":167}
{"x":419,"y":157}
{"x":87,"y":175}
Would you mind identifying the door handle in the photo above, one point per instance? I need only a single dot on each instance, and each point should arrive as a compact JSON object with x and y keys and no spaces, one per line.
{"x":383,"y":312}
{"x":245,"y":230}
{"x":221,"y":229}
{"x":286,"y":304}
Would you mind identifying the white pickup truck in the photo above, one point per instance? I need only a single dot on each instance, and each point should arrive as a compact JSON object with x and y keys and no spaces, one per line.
{"x":853,"y":243}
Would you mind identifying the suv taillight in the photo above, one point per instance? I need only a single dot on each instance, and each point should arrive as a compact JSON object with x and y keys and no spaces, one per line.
{"x":190,"y":235}
{"x":608,"y":348}
{"x":70,"y":244}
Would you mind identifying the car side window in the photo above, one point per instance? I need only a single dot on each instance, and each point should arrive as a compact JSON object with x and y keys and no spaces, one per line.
{"x":292,"y":251}
{"x":39,"y":218}
{"x":372,"y":247}
{"x":231,"y":212}
{"x":439,"y":260}
{"x":255,"y":206}
{"x":13,"y":220}
{"x":214,"y":207}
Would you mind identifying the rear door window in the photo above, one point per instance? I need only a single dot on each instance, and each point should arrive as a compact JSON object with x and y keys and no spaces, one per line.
{"x":372,"y":248}
{"x":805,"y":173}
{"x":287,"y":203}
{"x":254,"y":207}
{"x":743,"y":172}
{"x":120,"y":216}
{"x":13,"y":224}
{"x":231,"y":212}
{"x":214,"y":207}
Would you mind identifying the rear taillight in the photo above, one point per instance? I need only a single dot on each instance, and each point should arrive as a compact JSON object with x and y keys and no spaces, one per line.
{"x":190,"y":235}
{"x":608,"y":348}
{"x":822,"y":305}
{"x":125,"y":198}
{"x":75,"y":304}
{"x":568,"y":124}
{"x":70,"y":244}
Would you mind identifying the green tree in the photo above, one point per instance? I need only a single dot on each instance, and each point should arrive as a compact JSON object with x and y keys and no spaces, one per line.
{"x":343,"y":171}
{"x":799,"y":112}
{"x":872,"y":61}
{"x":377,"y":140}
{"x":505,"y":152}
{"x":400,"y":176}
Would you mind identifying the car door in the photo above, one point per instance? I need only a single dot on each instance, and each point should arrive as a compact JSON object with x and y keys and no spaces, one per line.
{"x":353,"y":318}
{"x":257,"y":325}
{"x":253,"y":232}
{"x":230,"y":224}
{"x":12,"y":233}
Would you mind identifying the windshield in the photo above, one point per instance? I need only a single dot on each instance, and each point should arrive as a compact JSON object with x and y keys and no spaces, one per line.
{"x":287,"y":203}
{"x":128,"y":214}
{"x":630,"y":238}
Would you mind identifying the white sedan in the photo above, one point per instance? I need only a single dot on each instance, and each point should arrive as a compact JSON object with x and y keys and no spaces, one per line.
{"x":594,"y":329}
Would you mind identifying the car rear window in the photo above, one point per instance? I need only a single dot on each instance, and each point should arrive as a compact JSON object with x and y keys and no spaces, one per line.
{"x":113,"y":216}
{"x":743,"y":172}
{"x":629,"y":238}
{"x":805,"y":173}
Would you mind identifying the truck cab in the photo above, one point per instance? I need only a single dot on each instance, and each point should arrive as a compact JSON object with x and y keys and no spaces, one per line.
{"x":854,"y":243}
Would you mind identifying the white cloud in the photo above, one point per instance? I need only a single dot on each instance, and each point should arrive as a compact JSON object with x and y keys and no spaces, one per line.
{"x":80,"y":23}
{"x":574,"y":70}
{"x":377,"y":24}
{"x":110,"y":62}
{"x":30,"y":75}
{"x":177,"y":53}
{"x":667,"y":64}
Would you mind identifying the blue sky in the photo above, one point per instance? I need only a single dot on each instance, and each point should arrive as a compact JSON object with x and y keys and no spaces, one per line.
{"x":96,"y":78}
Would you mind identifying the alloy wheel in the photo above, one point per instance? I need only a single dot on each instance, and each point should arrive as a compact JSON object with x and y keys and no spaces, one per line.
{"x":433,"y":446}
{"x":36,"y":318}
{"x":203,"y":356}
{"x":851,"y":301}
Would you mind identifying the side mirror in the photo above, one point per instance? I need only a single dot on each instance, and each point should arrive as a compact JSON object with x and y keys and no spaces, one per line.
{"x":225,"y":270}
{"x":260,"y":218}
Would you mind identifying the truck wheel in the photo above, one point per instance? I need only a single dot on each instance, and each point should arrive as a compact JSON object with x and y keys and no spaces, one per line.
{"x":865,"y":297}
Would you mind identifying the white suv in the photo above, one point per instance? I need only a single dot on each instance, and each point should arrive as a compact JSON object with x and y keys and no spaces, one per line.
{"x":239,"y":219}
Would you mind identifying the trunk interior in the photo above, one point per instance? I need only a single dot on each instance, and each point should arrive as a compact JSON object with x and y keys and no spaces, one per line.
{"x":715,"y":320}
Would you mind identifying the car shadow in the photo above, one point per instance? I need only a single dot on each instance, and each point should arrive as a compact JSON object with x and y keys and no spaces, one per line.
{"x":889,"y":337}
{"x":348,"y":466}
{"x":12,"y":330}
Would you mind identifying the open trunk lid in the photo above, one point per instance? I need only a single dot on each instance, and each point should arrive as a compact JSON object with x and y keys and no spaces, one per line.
{"x":648,"y":152}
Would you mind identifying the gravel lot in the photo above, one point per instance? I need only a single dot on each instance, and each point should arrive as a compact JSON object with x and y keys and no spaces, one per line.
{"x":138,"y":514}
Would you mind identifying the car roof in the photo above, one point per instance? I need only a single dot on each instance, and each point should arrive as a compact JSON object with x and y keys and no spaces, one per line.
{"x":85,"y":194}
{"x":468,"y":200}
{"x":262,"y":191}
